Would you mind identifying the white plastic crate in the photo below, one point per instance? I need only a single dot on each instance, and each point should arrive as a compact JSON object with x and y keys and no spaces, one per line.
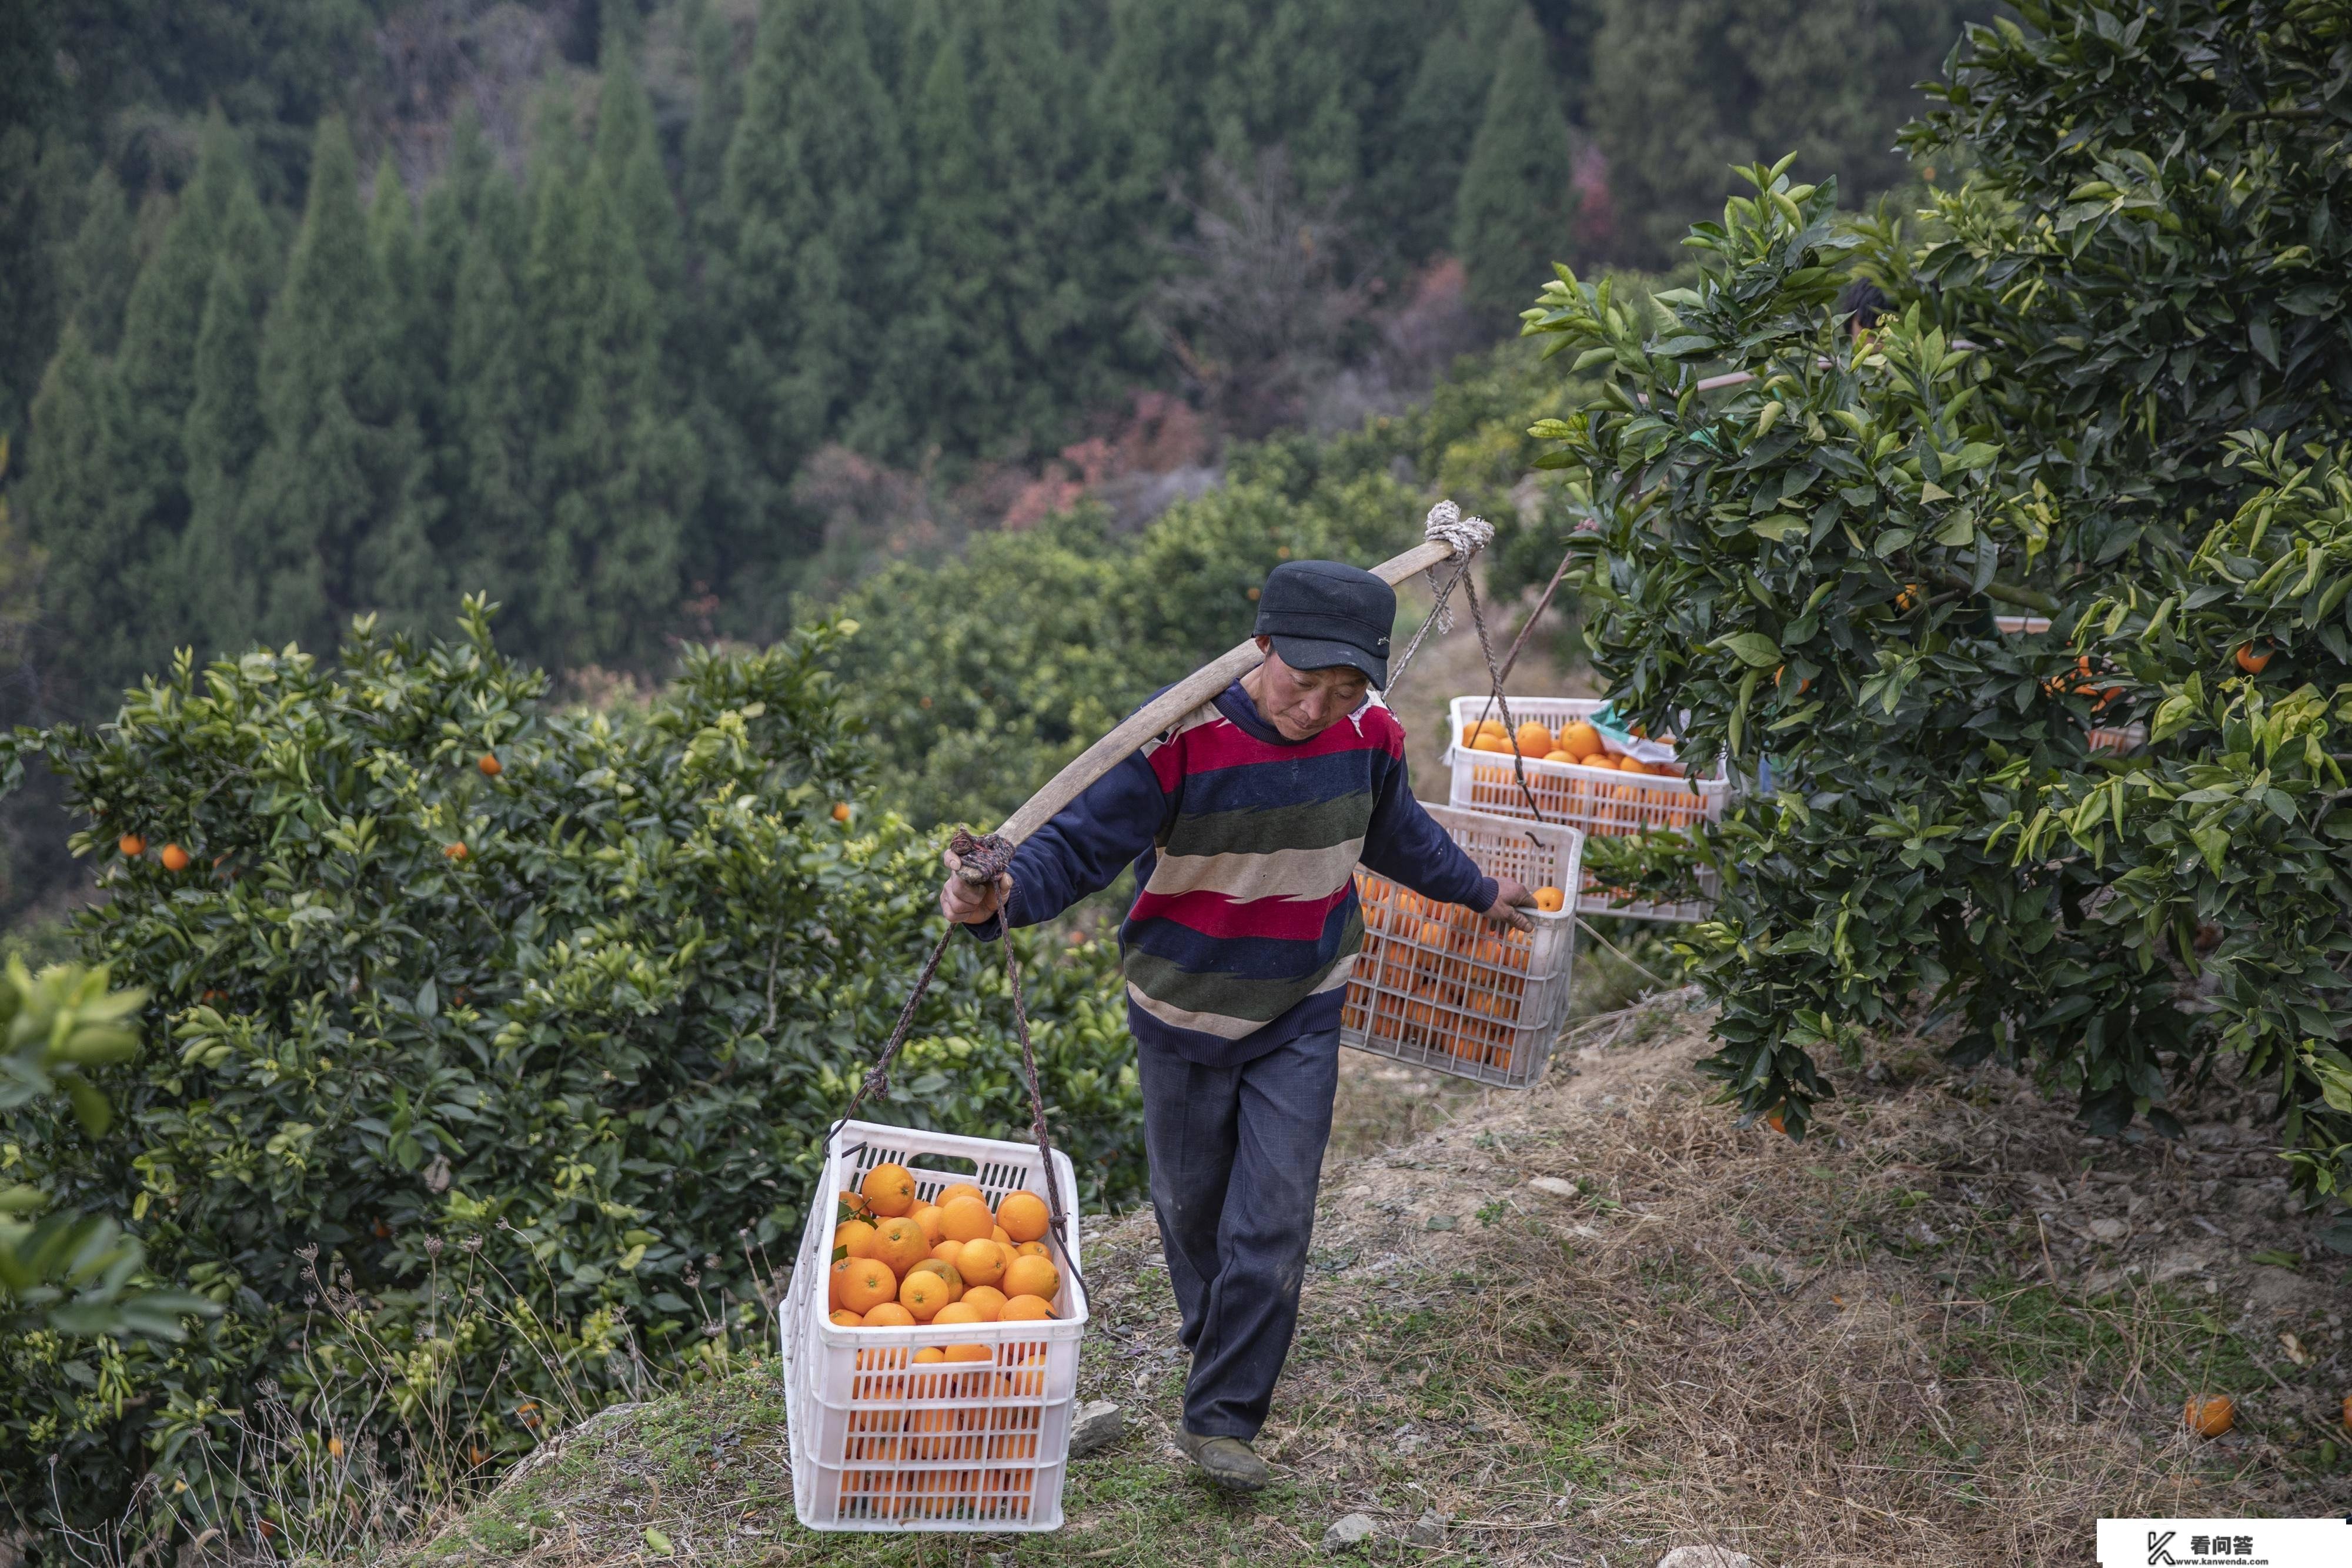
{"x":880,"y":1442}
{"x":1601,"y":802}
{"x":1438,"y":987}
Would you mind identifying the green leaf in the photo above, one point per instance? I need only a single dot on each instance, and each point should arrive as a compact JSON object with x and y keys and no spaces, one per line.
{"x":89,"y":1107}
{"x":1778,"y":526}
{"x":1753,"y":649}
{"x":657,"y":1542}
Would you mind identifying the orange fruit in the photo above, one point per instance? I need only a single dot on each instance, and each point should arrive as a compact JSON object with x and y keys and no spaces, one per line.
{"x":948,"y":1194}
{"x":1580,"y":740}
{"x":843,"y":1318}
{"x":855,"y":1207}
{"x":1024,"y":1215}
{"x":923,"y":1293}
{"x":456,"y":851}
{"x":1535,"y":739}
{"x":1032,"y":1249}
{"x":985,"y":1300}
{"x":857,"y":1236}
{"x":996,"y":1234}
{"x":971,"y":1352}
{"x":1501,"y":743}
{"x":900,"y":1244}
{"x":1026,"y":1310}
{"x":929,"y":1356}
{"x":947,"y":1252}
{"x":1434,"y":934}
{"x":132,"y":845}
{"x":957,"y":1313}
{"x":888,"y":1316}
{"x":1550,"y":899}
{"x":982,"y":1262}
{"x":2253,"y":663}
{"x":490,"y":766}
{"x":890,"y":1188}
{"x":966,"y":1219}
{"x":174,"y":858}
{"x":928,"y":1217}
{"x":2209,"y":1415}
{"x":1557,"y":755}
{"x":944,"y":1271}
{"x":864,"y":1283}
{"x":1032,"y":1276}
{"x":841,"y":811}
{"x":1601,"y":760}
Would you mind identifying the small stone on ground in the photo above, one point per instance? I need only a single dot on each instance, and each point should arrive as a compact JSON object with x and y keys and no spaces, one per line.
{"x":1352,"y":1530}
{"x":1429,"y":1530}
{"x":1096,"y":1425}
{"x":1706,"y":1557}
{"x":1554,"y":1185}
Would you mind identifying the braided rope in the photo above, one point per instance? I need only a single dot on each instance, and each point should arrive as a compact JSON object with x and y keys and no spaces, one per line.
{"x":991,"y":854}
{"x":1468,"y":536}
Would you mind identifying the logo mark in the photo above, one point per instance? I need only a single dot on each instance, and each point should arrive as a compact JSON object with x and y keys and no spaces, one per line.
{"x":2157,"y":1544}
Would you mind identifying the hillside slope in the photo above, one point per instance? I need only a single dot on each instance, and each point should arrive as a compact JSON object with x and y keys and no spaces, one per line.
{"x":1594,"y":1322}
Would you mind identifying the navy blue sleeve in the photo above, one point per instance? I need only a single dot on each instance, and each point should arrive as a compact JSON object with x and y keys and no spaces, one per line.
{"x":1086,"y":845}
{"x":1405,"y":844}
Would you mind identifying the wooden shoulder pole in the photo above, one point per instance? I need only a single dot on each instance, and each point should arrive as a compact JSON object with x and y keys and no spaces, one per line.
{"x":1173,"y":704}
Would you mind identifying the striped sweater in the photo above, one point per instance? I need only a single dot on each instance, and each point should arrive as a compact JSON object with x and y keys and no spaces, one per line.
{"x":1244,"y":846}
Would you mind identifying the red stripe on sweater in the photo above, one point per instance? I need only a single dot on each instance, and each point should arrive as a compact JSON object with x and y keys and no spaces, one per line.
{"x":1227,"y":744}
{"x":1223,"y":916}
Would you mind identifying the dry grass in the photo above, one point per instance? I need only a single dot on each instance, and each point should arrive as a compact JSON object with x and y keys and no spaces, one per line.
{"x":1947,"y":1328}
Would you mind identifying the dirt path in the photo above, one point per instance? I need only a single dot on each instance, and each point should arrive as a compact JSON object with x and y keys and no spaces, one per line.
{"x":1590,"y":1323}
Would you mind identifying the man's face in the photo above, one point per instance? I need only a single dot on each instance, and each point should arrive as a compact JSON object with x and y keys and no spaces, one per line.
{"x":1303,"y":703}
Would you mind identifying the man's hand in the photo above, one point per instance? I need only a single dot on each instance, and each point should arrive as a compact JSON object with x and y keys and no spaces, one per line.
{"x":965,"y":904}
{"x":1509,"y":899}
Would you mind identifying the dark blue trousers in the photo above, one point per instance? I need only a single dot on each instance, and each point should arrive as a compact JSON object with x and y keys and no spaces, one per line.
{"x":1236,"y":1153}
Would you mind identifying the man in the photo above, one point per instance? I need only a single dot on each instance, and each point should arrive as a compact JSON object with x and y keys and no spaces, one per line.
{"x":1246,"y":822}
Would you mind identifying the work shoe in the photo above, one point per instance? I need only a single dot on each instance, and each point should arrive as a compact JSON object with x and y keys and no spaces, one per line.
{"x":1229,"y":1462}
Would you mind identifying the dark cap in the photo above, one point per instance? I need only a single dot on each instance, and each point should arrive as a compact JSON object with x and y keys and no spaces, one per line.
{"x":1322,"y":613}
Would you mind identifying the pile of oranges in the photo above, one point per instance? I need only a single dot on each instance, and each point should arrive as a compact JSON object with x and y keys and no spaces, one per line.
{"x":1437,"y":977}
{"x":897,"y":1262}
{"x":1597,"y":805}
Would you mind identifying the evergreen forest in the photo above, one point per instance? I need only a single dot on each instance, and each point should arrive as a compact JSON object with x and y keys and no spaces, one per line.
{"x":654,"y":319}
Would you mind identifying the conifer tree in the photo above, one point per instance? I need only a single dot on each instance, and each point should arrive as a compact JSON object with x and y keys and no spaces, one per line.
{"x":813,"y":272}
{"x":497,"y":524}
{"x":451,"y":207}
{"x":815,"y":182}
{"x":68,"y":493}
{"x":617,"y":468}
{"x":1511,"y":215}
{"x":224,"y":428}
{"x":628,"y":155}
{"x":102,"y":263}
{"x":331,"y":528}
{"x":1064,"y":342}
{"x":152,"y":384}
{"x":955,"y":341}
{"x":1412,"y":188}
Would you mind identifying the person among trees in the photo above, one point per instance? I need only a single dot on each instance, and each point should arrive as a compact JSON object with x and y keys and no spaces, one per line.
{"x":1245,"y":821}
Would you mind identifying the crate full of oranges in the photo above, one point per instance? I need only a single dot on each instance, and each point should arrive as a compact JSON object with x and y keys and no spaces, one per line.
{"x":1437,"y":986}
{"x":931,"y":1336}
{"x":1568,"y":770}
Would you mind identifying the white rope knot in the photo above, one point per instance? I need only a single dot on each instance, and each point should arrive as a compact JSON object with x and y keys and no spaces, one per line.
{"x":1464,"y":534}
{"x":1467,"y":536}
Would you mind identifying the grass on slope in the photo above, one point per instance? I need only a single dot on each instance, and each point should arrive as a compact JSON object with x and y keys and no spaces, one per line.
{"x":1949,"y":1327}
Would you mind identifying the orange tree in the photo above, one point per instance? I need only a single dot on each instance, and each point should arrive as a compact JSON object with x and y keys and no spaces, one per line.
{"x":2112,"y":395}
{"x":490,"y":1049}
